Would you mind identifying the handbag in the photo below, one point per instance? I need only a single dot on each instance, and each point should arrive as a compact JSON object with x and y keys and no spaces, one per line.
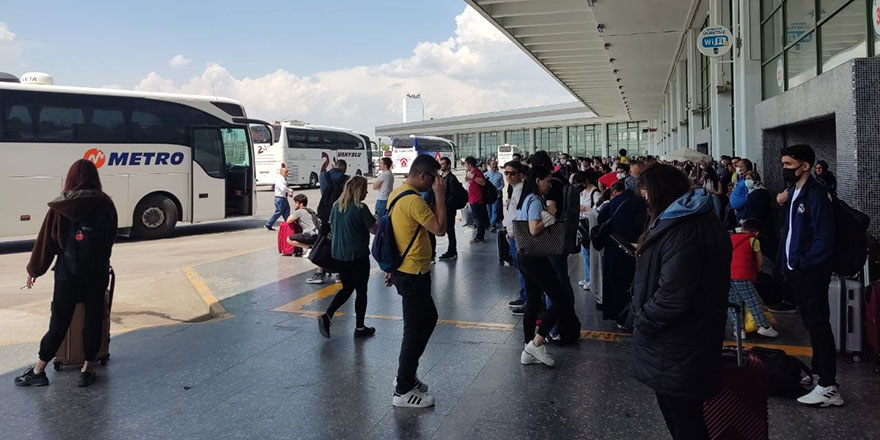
{"x":321,"y":254}
{"x":550,"y":242}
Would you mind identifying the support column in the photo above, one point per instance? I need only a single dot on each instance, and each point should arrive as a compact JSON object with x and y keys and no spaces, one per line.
{"x":565,"y":146}
{"x":479,"y":146}
{"x":693,"y":86}
{"x":747,"y":80}
{"x":721,"y":79}
{"x":681,"y":119}
{"x":532,"y":143}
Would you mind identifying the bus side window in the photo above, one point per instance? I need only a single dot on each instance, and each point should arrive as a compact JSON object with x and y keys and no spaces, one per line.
{"x":19,"y":125}
{"x":235,"y":147}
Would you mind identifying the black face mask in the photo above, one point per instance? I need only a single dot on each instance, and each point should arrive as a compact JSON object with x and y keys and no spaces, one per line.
{"x":790,"y":175}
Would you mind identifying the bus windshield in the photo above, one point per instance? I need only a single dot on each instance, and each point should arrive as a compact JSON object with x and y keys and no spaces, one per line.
{"x":423,"y":144}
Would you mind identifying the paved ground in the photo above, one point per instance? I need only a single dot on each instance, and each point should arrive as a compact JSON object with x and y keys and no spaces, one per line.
{"x":267,"y":373}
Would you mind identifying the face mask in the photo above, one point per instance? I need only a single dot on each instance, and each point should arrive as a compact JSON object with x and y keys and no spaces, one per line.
{"x":750,"y":184}
{"x":621,"y":175}
{"x":790,"y":175}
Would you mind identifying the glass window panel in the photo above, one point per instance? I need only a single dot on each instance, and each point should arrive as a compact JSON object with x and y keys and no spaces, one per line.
{"x":767,"y":7}
{"x":773,"y":77}
{"x":19,"y":125}
{"x":800,"y":18}
{"x":771,"y":36}
{"x":844,"y":36}
{"x":801,"y":61}
{"x":208,"y":150}
{"x":827,"y":7}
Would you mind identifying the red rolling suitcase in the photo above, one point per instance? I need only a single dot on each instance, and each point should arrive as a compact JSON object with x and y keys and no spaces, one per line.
{"x":739,"y":410}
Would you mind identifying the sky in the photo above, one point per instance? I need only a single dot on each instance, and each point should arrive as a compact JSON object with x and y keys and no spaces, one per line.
{"x":346,"y":63}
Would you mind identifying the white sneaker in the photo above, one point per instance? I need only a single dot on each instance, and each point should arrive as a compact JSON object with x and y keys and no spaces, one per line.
{"x":588,"y":285}
{"x":413,"y":399}
{"x":582,"y":283}
{"x":822,"y":397}
{"x":527,"y":359}
{"x":421,"y":386}
{"x":768,"y":332}
{"x":540,"y":353}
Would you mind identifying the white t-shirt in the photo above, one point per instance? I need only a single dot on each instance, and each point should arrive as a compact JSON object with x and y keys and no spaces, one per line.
{"x":797,"y":192}
{"x":281,"y":188}
{"x":590,"y":200}
{"x":387,"y":180}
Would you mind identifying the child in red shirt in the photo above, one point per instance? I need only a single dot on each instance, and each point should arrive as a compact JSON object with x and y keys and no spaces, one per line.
{"x":744,"y":266}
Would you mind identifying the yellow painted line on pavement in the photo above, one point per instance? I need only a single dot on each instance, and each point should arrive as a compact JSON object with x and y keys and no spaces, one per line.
{"x":201,"y":287}
{"x":298,"y":305}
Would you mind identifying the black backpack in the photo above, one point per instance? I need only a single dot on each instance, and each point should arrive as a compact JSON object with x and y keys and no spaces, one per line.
{"x":457,"y":196}
{"x":569,"y":211}
{"x":490,"y":193}
{"x":82,"y":253}
{"x":330,"y":195}
{"x":851,"y":239}
{"x":783,"y":372}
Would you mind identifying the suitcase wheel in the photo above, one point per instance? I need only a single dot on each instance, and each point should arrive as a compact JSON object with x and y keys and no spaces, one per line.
{"x":857,"y":357}
{"x":57,"y":366}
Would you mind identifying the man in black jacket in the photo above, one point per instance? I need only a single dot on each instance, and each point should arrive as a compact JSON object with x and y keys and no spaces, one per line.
{"x":451,"y":182}
{"x":807,"y":242}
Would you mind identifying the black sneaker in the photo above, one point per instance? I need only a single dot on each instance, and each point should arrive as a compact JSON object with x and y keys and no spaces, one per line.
{"x":519,"y":311}
{"x":87,"y":378}
{"x":365,"y":332}
{"x":516,"y":303}
{"x":446,"y":257}
{"x":269,"y":228}
{"x":783,"y":307}
{"x":477,"y":240}
{"x":324,"y":325}
{"x":29,"y":378}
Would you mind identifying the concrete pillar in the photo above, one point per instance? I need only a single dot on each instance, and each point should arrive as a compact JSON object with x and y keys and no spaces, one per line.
{"x":721,"y":78}
{"x":532,"y":142}
{"x":693,"y":88}
{"x":747,"y":79}
{"x":565,"y":146}
{"x":479,"y":145}
{"x":681,"y":119}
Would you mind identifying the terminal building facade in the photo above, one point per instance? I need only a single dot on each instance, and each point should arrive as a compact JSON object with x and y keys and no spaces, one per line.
{"x":792,"y":72}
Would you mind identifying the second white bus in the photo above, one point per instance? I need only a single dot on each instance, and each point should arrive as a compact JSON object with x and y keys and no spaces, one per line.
{"x":405,"y":150}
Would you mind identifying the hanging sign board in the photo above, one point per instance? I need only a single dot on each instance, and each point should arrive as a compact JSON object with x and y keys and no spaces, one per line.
{"x":715,"y":41}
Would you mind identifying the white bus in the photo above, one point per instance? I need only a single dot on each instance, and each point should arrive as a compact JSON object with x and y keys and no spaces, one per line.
{"x":163,"y":158}
{"x":405,"y":150}
{"x":506,"y":152}
{"x":309,"y":150}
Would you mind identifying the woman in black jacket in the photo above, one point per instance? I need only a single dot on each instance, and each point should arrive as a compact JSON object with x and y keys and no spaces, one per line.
{"x":679,"y":305}
{"x":79,"y":229}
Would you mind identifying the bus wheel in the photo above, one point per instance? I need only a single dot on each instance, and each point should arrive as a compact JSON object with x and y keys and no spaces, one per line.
{"x":154,"y":217}
{"x":313,"y":181}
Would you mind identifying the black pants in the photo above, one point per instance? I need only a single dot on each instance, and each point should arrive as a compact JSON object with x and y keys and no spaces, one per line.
{"x":450,"y":232}
{"x":67,"y":293}
{"x":354,"y":276}
{"x":538,"y":274}
{"x":811,"y":293}
{"x":419,"y":319}
{"x":684,"y":417}
{"x":481,"y":218}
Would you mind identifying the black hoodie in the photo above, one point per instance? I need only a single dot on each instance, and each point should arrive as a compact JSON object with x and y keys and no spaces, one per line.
{"x":71,"y":205}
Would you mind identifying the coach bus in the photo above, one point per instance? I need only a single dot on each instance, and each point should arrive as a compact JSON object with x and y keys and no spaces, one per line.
{"x":309,"y":150}
{"x":405,"y":150}
{"x":163,"y":158}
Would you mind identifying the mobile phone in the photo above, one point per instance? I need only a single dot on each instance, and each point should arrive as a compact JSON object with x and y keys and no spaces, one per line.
{"x":624,"y":244}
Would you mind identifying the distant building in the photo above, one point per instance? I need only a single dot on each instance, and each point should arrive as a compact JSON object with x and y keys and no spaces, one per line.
{"x":413,"y":108}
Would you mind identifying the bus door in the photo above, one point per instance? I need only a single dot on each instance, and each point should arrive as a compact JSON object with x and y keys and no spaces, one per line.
{"x":222,"y":173}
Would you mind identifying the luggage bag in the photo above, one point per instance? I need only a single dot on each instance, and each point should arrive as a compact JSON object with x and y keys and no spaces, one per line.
{"x":845,"y":302}
{"x":739,"y":409}
{"x":71,"y":351}
{"x":503,"y":248}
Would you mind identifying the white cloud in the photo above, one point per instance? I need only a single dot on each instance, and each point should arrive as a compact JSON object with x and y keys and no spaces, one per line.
{"x":10,"y":49}
{"x":179,"y":61}
{"x":476,"y":70}
{"x":5,"y":33}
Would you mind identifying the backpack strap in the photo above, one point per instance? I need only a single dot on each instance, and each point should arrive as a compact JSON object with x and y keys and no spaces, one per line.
{"x":412,"y":241}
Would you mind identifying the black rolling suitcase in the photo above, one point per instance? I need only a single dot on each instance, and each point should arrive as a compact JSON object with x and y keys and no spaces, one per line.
{"x":503,"y":248}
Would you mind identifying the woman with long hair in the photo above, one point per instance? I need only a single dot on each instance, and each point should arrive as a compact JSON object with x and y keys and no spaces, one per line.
{"x":826,"y":177}
{"x":79,"y":229}
{"x":679,"y":306}
{"x":351,"y":224}
{"x":537,"y":272}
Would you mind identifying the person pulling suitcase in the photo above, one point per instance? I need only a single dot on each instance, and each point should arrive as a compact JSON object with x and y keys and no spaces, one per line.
{"x":77,"y":234}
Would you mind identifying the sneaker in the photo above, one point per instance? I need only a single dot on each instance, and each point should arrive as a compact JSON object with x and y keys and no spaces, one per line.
{"x":808,"y":381}
{"x":421,"y":386}
{"x":446,"y":257}
{"x":413,"y":399}
{"x":518,"y":311}
{"x":86,"y":378}
{"x":768,"y":332}
{"x":29,"y":378}
{"x":582,"y":283}
{"x":317,"y":278}
{"x":269,"y":228}
{"x":492,"y":230}
{"x":822,"y":397}
{"x":365,"y":332}
{"x":324,"y":325}
{"x":588,"y":286}
{"x":337,"y":278}
{"x":526,"y":359}
{"x":540,"y":353}
{"x":516,"y":303}
{"x":477,"y":240}
{"x":783,"y":307}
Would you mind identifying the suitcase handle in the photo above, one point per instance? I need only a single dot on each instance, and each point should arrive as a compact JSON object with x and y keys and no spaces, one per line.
{"x":737,"y":330}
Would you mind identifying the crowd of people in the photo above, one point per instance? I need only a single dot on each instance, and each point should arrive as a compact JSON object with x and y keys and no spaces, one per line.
{"x":664,"y":248}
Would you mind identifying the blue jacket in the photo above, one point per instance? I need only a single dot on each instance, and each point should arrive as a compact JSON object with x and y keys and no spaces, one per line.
{"x":812,"y":229}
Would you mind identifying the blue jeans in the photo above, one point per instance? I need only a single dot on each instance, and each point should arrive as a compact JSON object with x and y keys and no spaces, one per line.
{"x":381,"y":208}
{"x":494,"y":209}
{"x":585,"y":257}
{"x":282,"y":209}
{"x":515,"y":258}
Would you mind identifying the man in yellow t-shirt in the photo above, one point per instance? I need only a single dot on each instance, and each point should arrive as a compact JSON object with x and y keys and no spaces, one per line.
{"x":411,"y":216}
